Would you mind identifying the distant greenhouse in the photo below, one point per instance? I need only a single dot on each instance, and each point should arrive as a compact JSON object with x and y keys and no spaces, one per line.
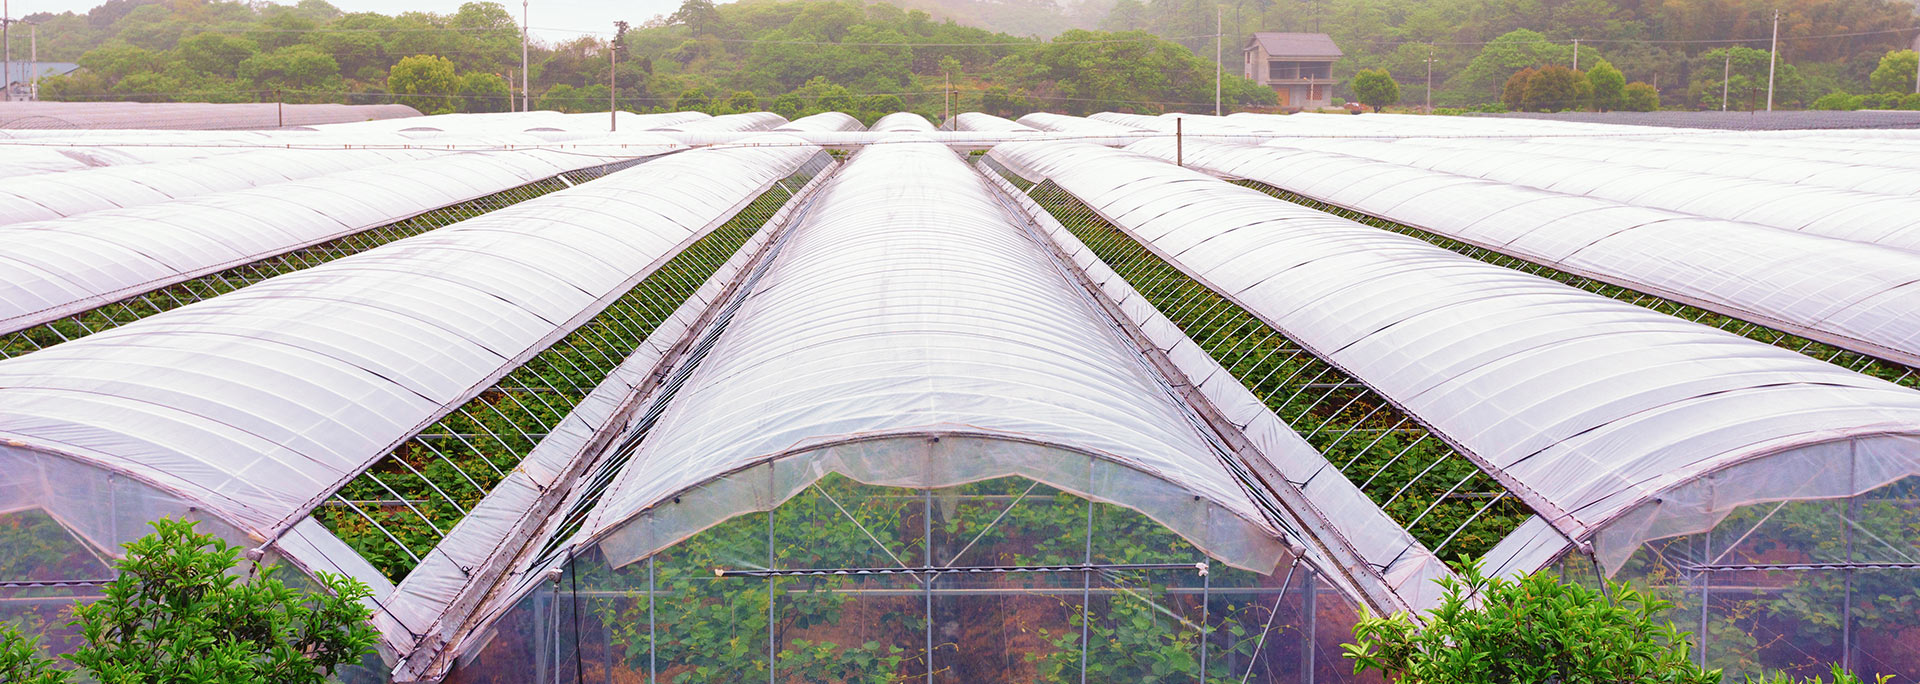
{"x":736,"y":398}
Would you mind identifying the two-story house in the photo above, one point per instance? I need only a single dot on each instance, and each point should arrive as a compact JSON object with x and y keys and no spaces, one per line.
{"x":1297,"y":66}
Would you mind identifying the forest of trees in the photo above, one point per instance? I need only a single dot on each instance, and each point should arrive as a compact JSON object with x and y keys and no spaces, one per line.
{"x":793,"y":58}
{"x":800,"y":56}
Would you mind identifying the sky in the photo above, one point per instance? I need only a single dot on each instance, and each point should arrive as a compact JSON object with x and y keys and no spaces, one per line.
{"x":551,"y":19}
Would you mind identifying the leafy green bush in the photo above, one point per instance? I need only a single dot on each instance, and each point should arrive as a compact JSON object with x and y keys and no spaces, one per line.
{"x":1641,"y":97}
{"x":1534,"y":629}
{"x":176,"y":614}
{"x":1375,"y":88}
{"x":1836,"y":101}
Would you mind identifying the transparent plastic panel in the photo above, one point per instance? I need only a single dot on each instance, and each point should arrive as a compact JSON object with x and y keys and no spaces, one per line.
{"x":853,"y":600}
{"x":1795,"y":586}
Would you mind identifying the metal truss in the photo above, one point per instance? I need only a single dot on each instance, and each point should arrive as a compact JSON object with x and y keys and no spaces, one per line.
{"x":397,"y":510}
{"x":1438,"y":494}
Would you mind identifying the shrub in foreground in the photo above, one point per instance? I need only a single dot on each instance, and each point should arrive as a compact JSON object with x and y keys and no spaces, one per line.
{"x":176,"y":613}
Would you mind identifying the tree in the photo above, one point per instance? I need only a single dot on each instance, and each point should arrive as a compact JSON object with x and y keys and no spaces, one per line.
{"x":1514,"y":95}
{"x":1533,"y":629}
{"x":1375,"y":88}
{"x":214,"y":53}
{"x":1746,"y":86}
{"x":428,"y":79}
{"x":1552,"y":89}
{"x":297,"y":67}
{"x":1609,"y":86}
{"x":692,"y":100}
{"x":742,"y":101}
{"x":1895,"y":73}
{"x":481,"y":92}
{"x":1641,"y":97}
{"x":1837,"y":100}
{"x":175,"y":614}
{"x":699,"y":15}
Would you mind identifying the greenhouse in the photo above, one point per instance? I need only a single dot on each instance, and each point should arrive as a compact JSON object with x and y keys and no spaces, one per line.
{"x":1110,"y":399}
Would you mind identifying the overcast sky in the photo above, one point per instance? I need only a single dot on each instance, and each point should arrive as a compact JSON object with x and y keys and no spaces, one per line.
{"x":550,"y":18}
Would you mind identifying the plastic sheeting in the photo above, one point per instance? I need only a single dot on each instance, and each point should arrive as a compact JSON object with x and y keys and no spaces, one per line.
{"x":188,"y":115}
{"x":1588,"y":405}
{"x":440,"y":595}
{"x":985,"y":123}
{"x":909,"y":334}
{"x":902,"y":122}
{"x":259,"y":403}
{"x":60,"y":195}
{"x":824,"y":122}
{"x":1859,"y":297}
{"x":53,"y":269}
{"x":1892,"y":221}
{"x":1340,"y":515}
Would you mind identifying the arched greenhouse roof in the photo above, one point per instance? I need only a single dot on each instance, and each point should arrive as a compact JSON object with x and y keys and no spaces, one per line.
{"x":256,"y":405}
{"x":1855,"y":296}
{"x":1585,"y":407}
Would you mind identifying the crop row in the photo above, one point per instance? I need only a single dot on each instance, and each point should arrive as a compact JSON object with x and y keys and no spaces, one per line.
{"x":400,"y":508}
{"x":1439,"y":495}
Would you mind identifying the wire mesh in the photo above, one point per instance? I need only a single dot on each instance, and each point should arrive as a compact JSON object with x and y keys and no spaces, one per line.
{"x":1436,"y":493}
{"x":1861,"y":363}
{"x":124,"y":311}
{"x":407,"y":502}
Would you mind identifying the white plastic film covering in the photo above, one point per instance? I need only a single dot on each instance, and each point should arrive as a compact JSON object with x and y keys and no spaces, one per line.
{"x":822,"y":122}
{"x":985,"y":123}
{"x":730,"y":123}
{"x":1860,"y":297}
{"x":1588,"y":405}
{"x":1403,"y":565}
{"x":52,"y":269}
{"x":902,"y":122}
{"x":1892,"y":221}
{"x":909,"y":334}
{"x":426,"y":600}
{"x":259,"y":403}
{"x":60,"y":195}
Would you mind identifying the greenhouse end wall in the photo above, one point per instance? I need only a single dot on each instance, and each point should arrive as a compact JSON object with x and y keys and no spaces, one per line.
{"x":1794,"y":586}
{"x":869,"y":580}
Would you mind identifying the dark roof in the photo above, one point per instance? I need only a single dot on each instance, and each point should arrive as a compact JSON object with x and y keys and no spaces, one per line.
{"x":1296,"y":44}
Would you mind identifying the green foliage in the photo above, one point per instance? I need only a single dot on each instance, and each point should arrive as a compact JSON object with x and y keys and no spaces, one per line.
{"x":1514,"y":93}
{"x":1089,"y":71}
{"x":1838,"y":100}
{"x":21,"y":662}
{"x":1609,"y":87}
{"x":483,"y":93}
{"x":1641,"y":97}
{"x":1895,"y":72}
{"x":1375,"y":88}
{"x":429,"y":78}
{"x":1530,"y":630}
{"x":1747,"y":83}
{"x":176,"y":614}
{"x":1840,"y":676}
{"x":1552,"y":89}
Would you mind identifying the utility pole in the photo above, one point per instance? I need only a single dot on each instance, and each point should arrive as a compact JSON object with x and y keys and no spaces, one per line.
{"x":33,"y":61}
{"x":1576,"y":54}
{"x":1916,"y":65}
{"x":1773,"y":56}
{"x":1429,"y":79}
{"x":6,"y":37}
{"x":613,"y":76}
{"x":1726,"y":74}
{"x":1179,"y":141}
{"x":1219,"y":54}
{"x":946,"y":98}
{"x":526,"y":97}
{"x":279,"y":110}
